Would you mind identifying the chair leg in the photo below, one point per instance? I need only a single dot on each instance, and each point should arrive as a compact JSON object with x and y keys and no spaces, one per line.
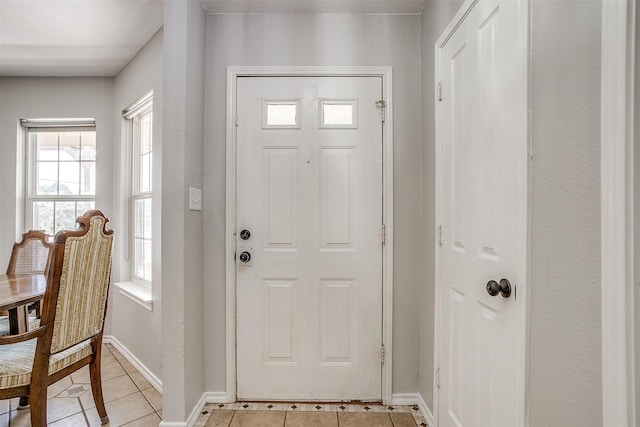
{"x":38,"y":398}
{"x":96,"y":389}
{"x":23,"y":403}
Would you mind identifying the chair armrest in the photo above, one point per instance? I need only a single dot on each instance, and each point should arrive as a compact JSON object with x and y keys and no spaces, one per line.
{"x":12,"y":339}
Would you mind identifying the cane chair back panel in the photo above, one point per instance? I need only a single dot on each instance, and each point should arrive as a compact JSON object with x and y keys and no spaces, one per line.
{"x":31,"y":255}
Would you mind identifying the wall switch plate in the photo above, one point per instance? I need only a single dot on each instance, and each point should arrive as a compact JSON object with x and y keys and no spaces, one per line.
{"x":195,"y":199}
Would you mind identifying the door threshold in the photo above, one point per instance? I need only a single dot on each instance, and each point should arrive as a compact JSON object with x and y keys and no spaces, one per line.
{"x":337,"y":407}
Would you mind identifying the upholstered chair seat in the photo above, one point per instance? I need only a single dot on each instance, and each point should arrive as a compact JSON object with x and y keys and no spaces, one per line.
{"x":16,"y":361}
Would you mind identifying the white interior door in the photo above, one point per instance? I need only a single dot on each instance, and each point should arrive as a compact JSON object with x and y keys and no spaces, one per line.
{"x":309,"y":197}
{"x":483,"y":196}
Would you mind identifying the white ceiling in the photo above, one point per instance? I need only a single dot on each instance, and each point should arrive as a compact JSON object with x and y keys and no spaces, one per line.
{"x":74,"y":37}
{"x":99,"y":37}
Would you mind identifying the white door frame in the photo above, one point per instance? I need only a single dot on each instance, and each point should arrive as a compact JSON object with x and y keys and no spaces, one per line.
{"x":617,"y":199}
{"x":524,"y":135}
{"x":387,"y":207}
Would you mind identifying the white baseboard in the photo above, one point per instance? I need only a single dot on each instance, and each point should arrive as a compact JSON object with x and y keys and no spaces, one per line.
{"x":404,"y":399}
{"x":216,"y":397}
{"x":197,"y":410}
{"x":193,"y":417}
{"x":425,"y":410}
{"x":144,"y":371}
{"x":207,"y":397}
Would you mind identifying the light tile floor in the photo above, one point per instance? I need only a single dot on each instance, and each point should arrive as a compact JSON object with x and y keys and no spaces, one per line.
{"x":129,"y":398}
{"x":253,"y":414}
{"x":132,"y":401}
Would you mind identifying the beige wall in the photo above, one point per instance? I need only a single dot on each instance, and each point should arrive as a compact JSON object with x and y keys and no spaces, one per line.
{"x":435,"y":17}
{"x":137,"y":328}
{"x":324,"y":40}
{"x":565,"y":386}
{"x":183,"y":326}
{"x":42,"y":97}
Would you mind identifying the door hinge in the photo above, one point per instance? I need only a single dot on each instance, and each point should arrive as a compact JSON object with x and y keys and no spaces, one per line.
{"x":235,"y":120}
{"x":384,"y":234}
{"x":382,"y":355}
{"x":438,"y":377}
{"x":439,"y":91}
{"x":440,"y":242}
{"x":382,"y":105}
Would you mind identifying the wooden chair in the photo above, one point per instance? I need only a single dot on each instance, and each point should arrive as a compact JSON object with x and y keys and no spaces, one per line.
{"x":29,"y":256}
{"x":72,"y":321}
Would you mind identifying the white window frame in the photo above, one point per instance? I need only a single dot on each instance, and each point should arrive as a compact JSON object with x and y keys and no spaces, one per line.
{"x":31,"y":126}
{"x":133,"y":115}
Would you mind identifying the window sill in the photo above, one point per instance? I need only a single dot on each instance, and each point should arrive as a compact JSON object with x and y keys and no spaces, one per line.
{"x":136,"y":292}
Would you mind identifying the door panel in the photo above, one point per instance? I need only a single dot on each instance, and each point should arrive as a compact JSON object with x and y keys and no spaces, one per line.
{"x":483,"y":198}
{"x":309,"y":189}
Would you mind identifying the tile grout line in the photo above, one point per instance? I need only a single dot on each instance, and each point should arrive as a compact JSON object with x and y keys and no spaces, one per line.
{"x":128,"y":374}
{"x":232,"y":417}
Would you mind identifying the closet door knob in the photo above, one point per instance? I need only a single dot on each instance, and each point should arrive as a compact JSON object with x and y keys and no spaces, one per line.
{"x":503,"y":287}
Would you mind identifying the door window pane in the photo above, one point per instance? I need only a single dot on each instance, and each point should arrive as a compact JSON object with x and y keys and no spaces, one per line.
{"x":281,"y":114}
{"x":338,"y":113}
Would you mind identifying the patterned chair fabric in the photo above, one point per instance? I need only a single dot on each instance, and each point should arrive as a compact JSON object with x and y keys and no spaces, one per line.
{"x":83,"y":287}
{"x":16,"y":361}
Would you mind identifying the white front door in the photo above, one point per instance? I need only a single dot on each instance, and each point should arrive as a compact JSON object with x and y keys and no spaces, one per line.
{"x":308,"y":238}
{"x":483,"y":202}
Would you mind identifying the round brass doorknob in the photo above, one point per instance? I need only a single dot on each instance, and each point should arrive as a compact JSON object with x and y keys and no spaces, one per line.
{"x":494,"y":288}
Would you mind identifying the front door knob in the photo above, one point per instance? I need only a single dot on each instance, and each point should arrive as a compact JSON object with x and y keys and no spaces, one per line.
{"x":245,"y":257}
{"x":494,"y":288}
